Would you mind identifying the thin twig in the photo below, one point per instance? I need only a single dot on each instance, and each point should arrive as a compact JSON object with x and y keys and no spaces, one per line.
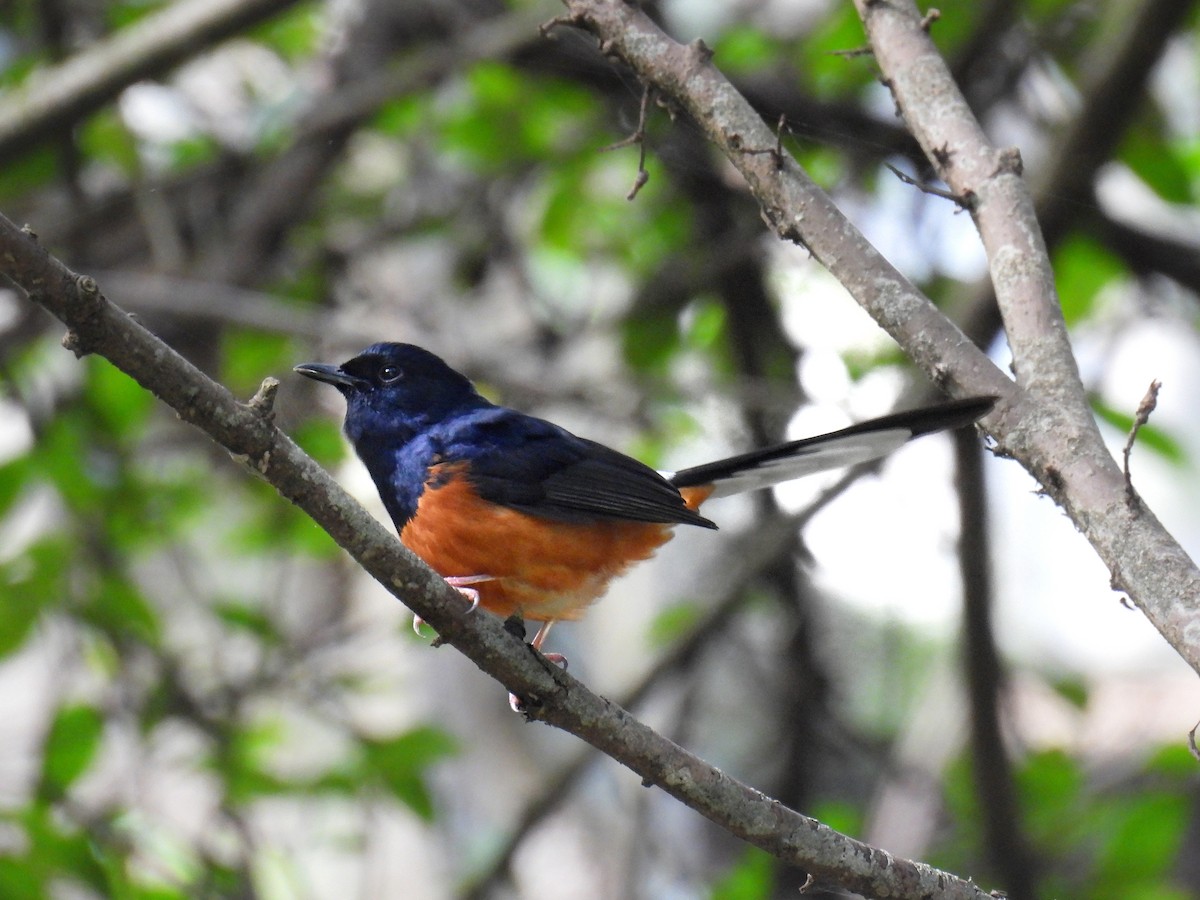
{"x":1140,"y":418}
{"x":775,"y":152}
{"x":637,"y":137}
{"x":852,"y":53}
{"x":963,"y":202}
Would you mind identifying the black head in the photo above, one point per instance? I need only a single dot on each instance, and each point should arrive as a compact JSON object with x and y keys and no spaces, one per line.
{"x":395,"y":389}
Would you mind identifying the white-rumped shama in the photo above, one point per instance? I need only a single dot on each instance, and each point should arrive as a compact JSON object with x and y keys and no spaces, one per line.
{"x":528,"y":519}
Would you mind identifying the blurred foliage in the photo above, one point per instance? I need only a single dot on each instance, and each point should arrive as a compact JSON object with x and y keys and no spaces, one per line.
{"x":751,"y":877}
{"x":1117,"y":842}
{"x":194,"y":632}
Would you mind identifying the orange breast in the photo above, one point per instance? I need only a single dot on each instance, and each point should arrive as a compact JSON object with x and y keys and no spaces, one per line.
{"x":542,"y":569}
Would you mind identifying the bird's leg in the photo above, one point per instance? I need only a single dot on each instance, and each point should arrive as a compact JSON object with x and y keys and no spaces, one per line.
{"x":538,"y":639}
{"x":460,"y":583}
{"x":516,"y":703}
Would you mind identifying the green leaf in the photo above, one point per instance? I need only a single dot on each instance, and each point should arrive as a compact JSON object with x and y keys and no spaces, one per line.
{"x":322,"y":440}
{"x":242,"y":766}
{"x":194,"y":151}
{"x":825,"y":165}
{"x":1072,"y":689}
{"x":752,"y":878}
{"x":28,"y":583}
{"x":828,"y":74}
{"x":104,"y":137}
{"x":1050,"y":783}
{"x":20,"y":177}
{"x":294,"y":35}
{"x":247,"y":357}
{"x":1157,"y":163}
{"x":21,"y":879}
{"x":1082,"y":268}
{"x":650,"y":339}
{"x":122,"y":15}
{"x":122,"y":405}
{"x":1143,"y":845}
{"x":403,"y":115}
{"x":1172,"y":761}
{"x":860,"y":363}
{"x":841,"y":816}
{"x":743,"y":49}
{"x":57,"y":850}
{"x":244,"y":618}
{"x":67,"y":456}
{"x":70,"y":747}
{"x":505,"y":118}
{"x":400,"y":763}
{"x":14,"y":475}
{"x":706,"y":325}
{"x":116,"y":606}
{"x":673,"y":623}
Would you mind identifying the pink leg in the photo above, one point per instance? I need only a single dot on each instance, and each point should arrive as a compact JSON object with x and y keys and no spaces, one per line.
{"x":459,"y":583}
{"x":557,"y":659}
{"x":538,"y":639}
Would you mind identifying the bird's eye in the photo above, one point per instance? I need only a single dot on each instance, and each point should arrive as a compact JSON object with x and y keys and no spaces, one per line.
{"x":390,"y":374}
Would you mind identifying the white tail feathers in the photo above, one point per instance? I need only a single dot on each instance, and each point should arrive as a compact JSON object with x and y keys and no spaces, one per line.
{"x":837,"y":454}
{"x":848,"y":447}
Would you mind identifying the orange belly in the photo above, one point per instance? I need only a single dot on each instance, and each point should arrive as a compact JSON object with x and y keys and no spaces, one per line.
{"x":540,"y":569}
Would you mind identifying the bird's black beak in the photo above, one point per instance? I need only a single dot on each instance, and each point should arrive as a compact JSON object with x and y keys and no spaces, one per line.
{"x":330,"y":375}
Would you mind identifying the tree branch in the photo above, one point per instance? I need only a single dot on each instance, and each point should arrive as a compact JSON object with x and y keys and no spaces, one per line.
{"x":794,"y":206}
{"x":1005,"y":843}
{"x":552,"y":695}
{"x":60,"y":96}
{"x":1050,"y":430}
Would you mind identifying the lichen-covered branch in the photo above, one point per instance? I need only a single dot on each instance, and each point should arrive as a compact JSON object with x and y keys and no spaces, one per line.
{"x":1051,"y":430}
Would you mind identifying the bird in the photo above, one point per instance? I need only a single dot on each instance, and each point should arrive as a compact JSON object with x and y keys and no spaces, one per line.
{"x":527,"y":519}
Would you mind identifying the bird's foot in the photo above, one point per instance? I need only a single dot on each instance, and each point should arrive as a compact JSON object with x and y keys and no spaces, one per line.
{"x":516,"y":703}
{"x":460,"y":583}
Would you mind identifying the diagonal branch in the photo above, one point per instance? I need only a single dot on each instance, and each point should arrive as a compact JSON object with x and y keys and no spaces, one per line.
{"x":1051,"y":431}
{"x":794,"y":206}
{"x":246,"y":431}
{"x":1043,"y":420}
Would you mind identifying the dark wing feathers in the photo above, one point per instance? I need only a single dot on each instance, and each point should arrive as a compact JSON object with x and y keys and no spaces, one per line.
{"x":535,"y":467}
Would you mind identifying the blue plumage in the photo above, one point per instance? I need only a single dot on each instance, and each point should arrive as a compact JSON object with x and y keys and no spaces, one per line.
{"x":409,"y":416}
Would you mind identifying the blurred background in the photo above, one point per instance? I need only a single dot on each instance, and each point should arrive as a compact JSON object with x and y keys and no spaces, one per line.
{"x":202,"y":697}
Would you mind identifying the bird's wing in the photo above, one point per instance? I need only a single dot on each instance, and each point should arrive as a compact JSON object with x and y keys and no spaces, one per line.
{"x":536,"y":467}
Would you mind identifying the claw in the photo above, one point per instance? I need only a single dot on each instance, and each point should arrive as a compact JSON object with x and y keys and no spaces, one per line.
{"x":460,"y":583}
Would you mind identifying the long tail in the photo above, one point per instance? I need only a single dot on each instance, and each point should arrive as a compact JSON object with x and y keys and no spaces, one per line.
{"x":850,"y":446}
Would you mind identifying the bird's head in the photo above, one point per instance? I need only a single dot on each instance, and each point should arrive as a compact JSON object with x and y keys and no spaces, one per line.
{"x":395,"y":389}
